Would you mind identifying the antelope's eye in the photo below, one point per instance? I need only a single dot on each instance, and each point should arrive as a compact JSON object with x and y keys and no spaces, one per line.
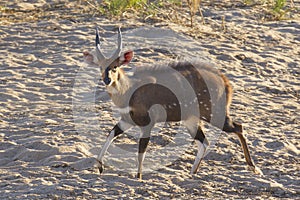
{"x":114,"y":69}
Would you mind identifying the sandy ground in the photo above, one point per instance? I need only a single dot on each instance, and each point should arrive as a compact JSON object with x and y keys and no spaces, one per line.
{"x":49,"y":134}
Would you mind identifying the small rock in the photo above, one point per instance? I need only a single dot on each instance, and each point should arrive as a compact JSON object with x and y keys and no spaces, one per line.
{"x":51,"y":121}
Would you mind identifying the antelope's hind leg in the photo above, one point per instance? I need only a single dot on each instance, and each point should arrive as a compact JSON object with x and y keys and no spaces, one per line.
{"x":202,"y":144}
{"x":237,"y":129}
{"x":117,"y":130}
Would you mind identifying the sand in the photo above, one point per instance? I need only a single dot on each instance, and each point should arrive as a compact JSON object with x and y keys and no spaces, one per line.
{"x":53,"y":123}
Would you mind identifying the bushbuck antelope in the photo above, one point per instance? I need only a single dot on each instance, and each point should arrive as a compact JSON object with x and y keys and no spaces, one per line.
{"x":177,"y":91}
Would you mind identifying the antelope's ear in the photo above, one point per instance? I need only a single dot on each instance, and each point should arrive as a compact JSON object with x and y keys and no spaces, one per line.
{"x":126,"y":57}
{"x":88,"y":57}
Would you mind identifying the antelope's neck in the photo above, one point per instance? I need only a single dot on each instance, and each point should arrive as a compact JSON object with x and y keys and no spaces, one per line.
{"x":119,"y":88}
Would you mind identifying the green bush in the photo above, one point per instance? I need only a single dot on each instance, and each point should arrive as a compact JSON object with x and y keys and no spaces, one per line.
{"x":116,"y":7}
{"x":278,"y":9}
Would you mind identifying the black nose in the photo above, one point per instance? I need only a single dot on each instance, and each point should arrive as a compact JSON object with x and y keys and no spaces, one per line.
{"x":106,"y":80}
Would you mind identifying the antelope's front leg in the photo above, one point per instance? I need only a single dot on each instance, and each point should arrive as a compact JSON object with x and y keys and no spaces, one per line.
{"x":143,"y":143}
{"x":117,"y":130}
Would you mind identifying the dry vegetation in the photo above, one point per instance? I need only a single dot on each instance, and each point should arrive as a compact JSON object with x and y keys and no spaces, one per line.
{"x":182,"y":12}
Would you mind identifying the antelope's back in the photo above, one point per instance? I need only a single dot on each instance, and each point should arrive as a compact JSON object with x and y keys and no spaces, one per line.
{"x":189,"y":87}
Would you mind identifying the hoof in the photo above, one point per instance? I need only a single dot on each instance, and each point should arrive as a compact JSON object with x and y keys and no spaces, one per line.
{"x":194,"y":169}
{"x":256,"y":170}
{"x":100,"y":167}
{"x":139,"y":176}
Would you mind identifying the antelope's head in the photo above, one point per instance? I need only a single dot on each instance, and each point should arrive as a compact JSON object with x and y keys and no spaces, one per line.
{"x":110,"y":67}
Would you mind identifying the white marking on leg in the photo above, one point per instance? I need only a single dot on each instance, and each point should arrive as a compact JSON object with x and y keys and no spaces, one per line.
{"x":141,"y":157}
{"x":124,"y":110}
{"x":124,"y":125}
{"x":108,"y":141}
{"x":191,"y":124}
{"x":199,"y":157}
